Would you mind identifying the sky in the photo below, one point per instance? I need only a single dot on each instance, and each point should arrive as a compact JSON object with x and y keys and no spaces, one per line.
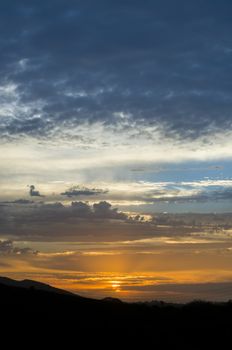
{"x":115,"y":146}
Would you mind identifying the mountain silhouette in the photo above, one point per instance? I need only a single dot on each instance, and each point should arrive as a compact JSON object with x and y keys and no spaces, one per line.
{"x":33,"y":307}
{"x":31,"y":284}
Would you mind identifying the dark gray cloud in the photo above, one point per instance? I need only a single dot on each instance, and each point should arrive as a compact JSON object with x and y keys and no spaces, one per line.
{"x":7,"y":247}
{"x":81,"y":209}
{"x":82,"y":221}
{"x":104,"y":210}
{"x":22,"y":201}
{"x":53,"y":220}
{"x":76,"y":191}
{"x":33,"y":192}
{"x":17,"y":201}
{"x":221,"y":194}
{"x":158,"y":61}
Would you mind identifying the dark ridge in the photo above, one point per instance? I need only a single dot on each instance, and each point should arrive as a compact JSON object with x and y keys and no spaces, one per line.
{"x":31,"y":284}
{"x":25,"y":308}
{"x":112,"y":300}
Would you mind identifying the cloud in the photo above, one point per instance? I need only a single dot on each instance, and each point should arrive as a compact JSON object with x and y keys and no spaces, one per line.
{"x":142,"y":192}
{"x":54,"y":220}
{"x":173,"y":74}
{"x":22,"y":201}
{"x":7,"y":247}
{"x":75,"y":191}
{"x":142,"y":195}
{"x":100,"y":210}
{"x":101,"y":221}
{"x":105,"y":210}
{"x":180,"y":292}
{"x":33,"y":192}
{"x":81,"y":209}
{"x":201,"y":196}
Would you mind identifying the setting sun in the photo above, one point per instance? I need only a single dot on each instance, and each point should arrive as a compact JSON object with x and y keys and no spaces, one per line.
{"x":116,"y":285}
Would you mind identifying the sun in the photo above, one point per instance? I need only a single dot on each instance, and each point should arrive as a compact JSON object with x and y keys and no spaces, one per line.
{"x":116,"y":285}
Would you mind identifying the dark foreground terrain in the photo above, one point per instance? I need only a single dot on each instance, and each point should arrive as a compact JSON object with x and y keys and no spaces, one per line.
{"x":31,"y":309}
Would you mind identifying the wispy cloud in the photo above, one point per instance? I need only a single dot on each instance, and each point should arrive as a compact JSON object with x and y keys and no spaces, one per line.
{"x":76,"y":191}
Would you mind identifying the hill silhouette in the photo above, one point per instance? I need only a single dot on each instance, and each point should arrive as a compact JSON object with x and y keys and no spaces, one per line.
{"x":31,"y":284}
{"x":36,"y":306}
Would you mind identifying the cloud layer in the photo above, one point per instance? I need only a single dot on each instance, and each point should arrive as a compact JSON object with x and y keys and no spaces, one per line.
{"x":126,"y":104}
{"x":76,"y":191}
{"x":122,"y":65}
